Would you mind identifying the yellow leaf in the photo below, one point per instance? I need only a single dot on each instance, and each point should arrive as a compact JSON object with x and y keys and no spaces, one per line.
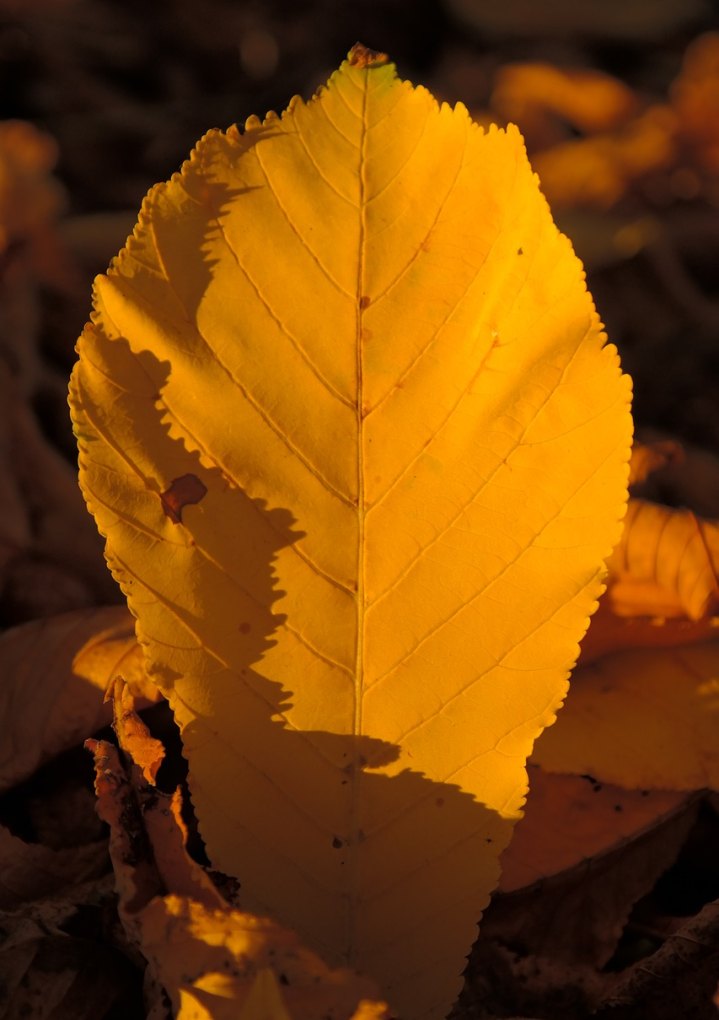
{"x":347,"y":419}
{"x":221,"y":964}
{"x":265,"y":999}
{"x":646,"y":718}
{"x":214,"y":962}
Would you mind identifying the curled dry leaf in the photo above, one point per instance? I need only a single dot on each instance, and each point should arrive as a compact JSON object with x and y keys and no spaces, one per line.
{"x":55,"y":673}
{"x":215,"y":962}
{"x":644,"y":718}
{"x":347,"y":355}
{"x":147,"y":752}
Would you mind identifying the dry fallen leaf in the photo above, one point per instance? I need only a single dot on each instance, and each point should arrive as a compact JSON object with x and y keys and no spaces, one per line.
{"x":665,"y":564}
{"x":215,"y":962}
{"x":31,"y":871}
{"x":572,"y":821}
{"x":55,"y":673}
{"x":582,"y":856}
{"x":49,"y":973}
{"x":644,"y":718}
{"x":345,"y":358}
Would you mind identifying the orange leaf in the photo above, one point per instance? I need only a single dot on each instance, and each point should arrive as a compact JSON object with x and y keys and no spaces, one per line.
{"x":643,"y":718}
{"x":665,"y":564}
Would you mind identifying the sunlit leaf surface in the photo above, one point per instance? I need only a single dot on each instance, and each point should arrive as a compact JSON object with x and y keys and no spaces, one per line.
{"x":347,"y":420}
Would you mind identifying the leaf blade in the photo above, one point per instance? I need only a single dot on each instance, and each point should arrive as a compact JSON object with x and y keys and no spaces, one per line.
{"x":439,"y":352}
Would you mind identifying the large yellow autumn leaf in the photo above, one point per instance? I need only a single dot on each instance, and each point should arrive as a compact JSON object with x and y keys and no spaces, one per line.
{"x":348,"y":421}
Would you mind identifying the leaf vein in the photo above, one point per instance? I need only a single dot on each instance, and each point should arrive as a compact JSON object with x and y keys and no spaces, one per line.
{"x":485,"y":482}
{"x":298,"y":346}
{"x":295,"y":230}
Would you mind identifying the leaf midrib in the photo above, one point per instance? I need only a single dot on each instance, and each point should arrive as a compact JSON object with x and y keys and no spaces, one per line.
{"x":354,"y":819}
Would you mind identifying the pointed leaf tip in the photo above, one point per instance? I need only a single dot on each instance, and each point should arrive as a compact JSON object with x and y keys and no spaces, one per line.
{"x":362,"y":56}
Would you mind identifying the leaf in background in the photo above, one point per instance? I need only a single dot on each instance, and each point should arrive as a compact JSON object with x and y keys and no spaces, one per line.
{"x":570,"y":821}
{"x":582,"y":856}
{"x":31,"y":871}
{"x":665,"y":564}
{"x":662,"y":588}
{"x":54,"y":676}
{"x":646,"y":718}
{"x":651,"y":457}
{"x":348,"y":423}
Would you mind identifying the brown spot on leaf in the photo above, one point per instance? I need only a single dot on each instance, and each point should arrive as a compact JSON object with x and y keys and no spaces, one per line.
{"x":364,"y":302}
{"x":337,"y":843}
{"x":362,"y":56}
{"x":186,"y":489}
{"x":245,"y":628}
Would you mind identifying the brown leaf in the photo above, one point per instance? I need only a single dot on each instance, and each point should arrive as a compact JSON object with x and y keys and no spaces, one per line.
{"x":649,"y":457}
{"x":643,"y":718}
{"x":47,"y":972}
{"x":686,"y":476}
{"x":678,"y":980}
{"x":581,"y":857}
{"x":571,"y":821}
{"x":610,"y":632}
{"x":146,"y":752}
{"x":55,"y":673}
{"x":31,"y":871}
